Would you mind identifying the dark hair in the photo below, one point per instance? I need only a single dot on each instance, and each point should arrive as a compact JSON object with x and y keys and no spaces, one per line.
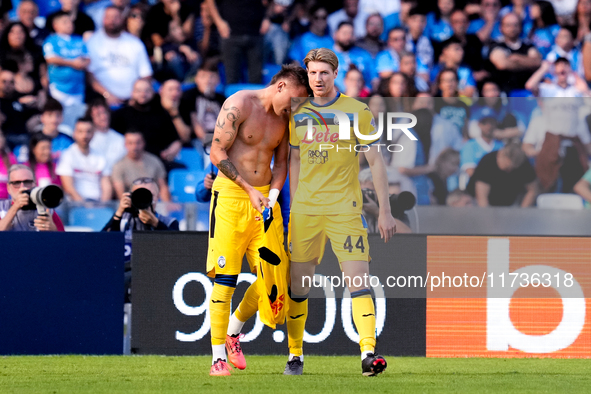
{"x":84,"y":119}
{"x":562,"y":60}
{"x":59,"y":14}
{"x":417,"y":10}
{"x":384,"y":86}
{"x":294,"y":73}
{"x":134,"y":131}
{"x":481,"y":100}
{"x":4,"y":46}
{"x":343,"y":23}
{"x":52,"y":105}
{"x":450,"y":41}
{"x":97,"y":102}
{"x":572,"y":29}
{"x":317,"y":7}
{"x":547,"y":14}
{"x":438,"y":80}
{"x":210,"y":65}
{"x":36,"y":139}
{"x":397,"y":28}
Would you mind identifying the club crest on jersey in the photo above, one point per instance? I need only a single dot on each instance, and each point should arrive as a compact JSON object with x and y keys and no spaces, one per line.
{"x":221,"y":261}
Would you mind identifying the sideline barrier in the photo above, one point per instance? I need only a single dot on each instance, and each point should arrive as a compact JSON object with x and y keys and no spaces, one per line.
{"x":170,"y":291}
{"x":61,"y":293}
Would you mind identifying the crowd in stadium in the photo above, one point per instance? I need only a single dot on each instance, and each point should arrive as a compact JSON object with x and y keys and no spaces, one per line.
{"x":96,"y":94}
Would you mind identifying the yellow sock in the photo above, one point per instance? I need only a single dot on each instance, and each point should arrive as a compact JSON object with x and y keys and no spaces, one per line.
{"x":364,"y":316}
{"x":249,"y":304}
{"x":297,"y":313}
{"x":219,"y":312}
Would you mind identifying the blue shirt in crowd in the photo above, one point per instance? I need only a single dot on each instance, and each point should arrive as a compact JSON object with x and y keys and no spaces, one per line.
{"x":543,"y":39}
{"x":437,"y":30}
{"x":66,"y":79}
{"x":478,"y":24}
{"x":361,"y":59}
{"x":307,"y":42}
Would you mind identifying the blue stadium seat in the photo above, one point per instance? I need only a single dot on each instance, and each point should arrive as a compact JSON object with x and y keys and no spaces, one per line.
{"x":269,"y":70}
{"x":95,"y":218}
{"x":233,"y":88}
{"x":191,"y":158}
{"x":182,"y":184}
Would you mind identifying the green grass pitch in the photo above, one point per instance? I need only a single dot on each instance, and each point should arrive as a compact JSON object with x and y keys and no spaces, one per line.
{"x":325,"y":374}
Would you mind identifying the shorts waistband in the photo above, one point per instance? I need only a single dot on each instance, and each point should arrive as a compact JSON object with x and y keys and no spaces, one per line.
{"x":230,"y":189}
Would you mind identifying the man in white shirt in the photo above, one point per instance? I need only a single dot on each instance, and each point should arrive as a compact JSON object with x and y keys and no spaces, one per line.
{"x":106,"y":142}
{"x":83,"y":173}
{"x":117,"y":59}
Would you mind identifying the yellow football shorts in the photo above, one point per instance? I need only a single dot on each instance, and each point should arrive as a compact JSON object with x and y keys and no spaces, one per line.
{"x":309,"y":233}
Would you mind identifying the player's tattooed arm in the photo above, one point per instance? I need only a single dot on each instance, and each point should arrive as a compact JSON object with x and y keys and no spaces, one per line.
{"x":226,"y":125}
{"x":228,"y":169}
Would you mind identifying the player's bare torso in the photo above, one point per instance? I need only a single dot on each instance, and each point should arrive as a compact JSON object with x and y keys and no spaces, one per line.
{"x":257,"y":137}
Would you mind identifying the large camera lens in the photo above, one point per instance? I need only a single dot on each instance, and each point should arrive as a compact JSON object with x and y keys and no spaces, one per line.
{"x":141,"y":198}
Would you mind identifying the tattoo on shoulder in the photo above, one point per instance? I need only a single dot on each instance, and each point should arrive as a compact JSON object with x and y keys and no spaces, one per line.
{"x":228,"y":169}
{"x":232,"y":114}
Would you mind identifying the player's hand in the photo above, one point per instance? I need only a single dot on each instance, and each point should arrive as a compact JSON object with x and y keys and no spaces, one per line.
{"x":258,"y":201}
{"x":21,"y":200}
{"x":208,"y":181}
{"x":44,"y":223}
{"x":124,"y":203}
{"x":387,"y":226}
{"x":147,"y":217}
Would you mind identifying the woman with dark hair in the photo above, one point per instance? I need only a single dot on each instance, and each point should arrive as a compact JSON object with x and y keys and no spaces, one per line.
{"x":15,"y":44}
{"x":136,"y":19}
{"x":397,"y":86}
{"x":6,"y":160}
{"x":40,"y":160}
{"x":545,"y":26}
{"x":438,"y":22}
{"x":450,"y":107}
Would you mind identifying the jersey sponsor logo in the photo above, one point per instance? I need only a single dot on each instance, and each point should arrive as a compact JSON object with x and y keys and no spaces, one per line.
{"x":221,"y":262}
{"x":317,"y":156}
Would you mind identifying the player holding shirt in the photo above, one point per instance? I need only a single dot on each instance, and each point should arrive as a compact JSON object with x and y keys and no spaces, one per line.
{"x":250,"y":131}
{"x":327,"y":203}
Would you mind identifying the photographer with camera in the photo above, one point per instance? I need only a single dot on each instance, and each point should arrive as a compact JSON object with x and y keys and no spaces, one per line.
{"x":137,"y":212}
{"x":20,"y":213}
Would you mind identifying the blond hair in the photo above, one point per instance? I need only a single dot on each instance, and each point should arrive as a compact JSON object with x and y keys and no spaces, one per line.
{"x":322,"y":55}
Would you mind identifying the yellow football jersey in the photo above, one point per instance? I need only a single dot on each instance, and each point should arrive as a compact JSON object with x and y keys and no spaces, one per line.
{"x":329,"y":166}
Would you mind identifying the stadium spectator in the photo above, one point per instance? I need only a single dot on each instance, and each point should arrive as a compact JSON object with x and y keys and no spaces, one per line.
{"x":470,"y":43}
{"x":450,"y":107}
{"x":405,"y":7}
{"x":372,"y":42}
{"x":317,"y":37}
{"x":128,"y":219}
{"x":176,"y":58}
{"x":83,"y":173}
{"x":51,"y":126}
{"x":487,"y":28}
{"x":275,"y":28}
{"x":201,"y":105}
{"x":348,"y":54}
{"x":545,"y":26}
{"x":354,"y":83}
{"x":106,"y":142}
{"x":158,"y":20}
{"x":388,"y":60}
{"x":145,"y":114}
{"x":170,"y":94}
{"x":408,"y":66}
{"x":521,"y":8}
{"x":83,"y":24}
{"x":438,"y":22}
{"x":566,"y":82}
{"x":479,"y":146}
{"x":13,"y":214}
{"x":15,"y":114}
{"x":67,"y":59}
{"x":418,"y":43}
{"x":27,"y":13}
{"x":96,"y":9}
{"x":6,"y":160}
{"x":508,"y":126}
{"x":397,"y":85}
{"x":349,"y":13}
{"x":513,"y":61}
{"x":446,"y":165}
{"x":137,"y":164}
{"x":135,"y":20}
{"x":564,"y":46}
{"x":239,"y":25}
{"x":14,"y":42}
{"x":459,"y":199}
{"x":504,"y":178}
{"x":451,"y":57}
{"x":582,"y":19}
{"x":41,"y":162}
{"x":26,"y":84}
{"x":203,"y":188}
{"x":117,"y":59}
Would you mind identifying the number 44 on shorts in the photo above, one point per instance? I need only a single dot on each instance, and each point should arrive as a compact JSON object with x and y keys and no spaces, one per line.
{"x":349,"y":246}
